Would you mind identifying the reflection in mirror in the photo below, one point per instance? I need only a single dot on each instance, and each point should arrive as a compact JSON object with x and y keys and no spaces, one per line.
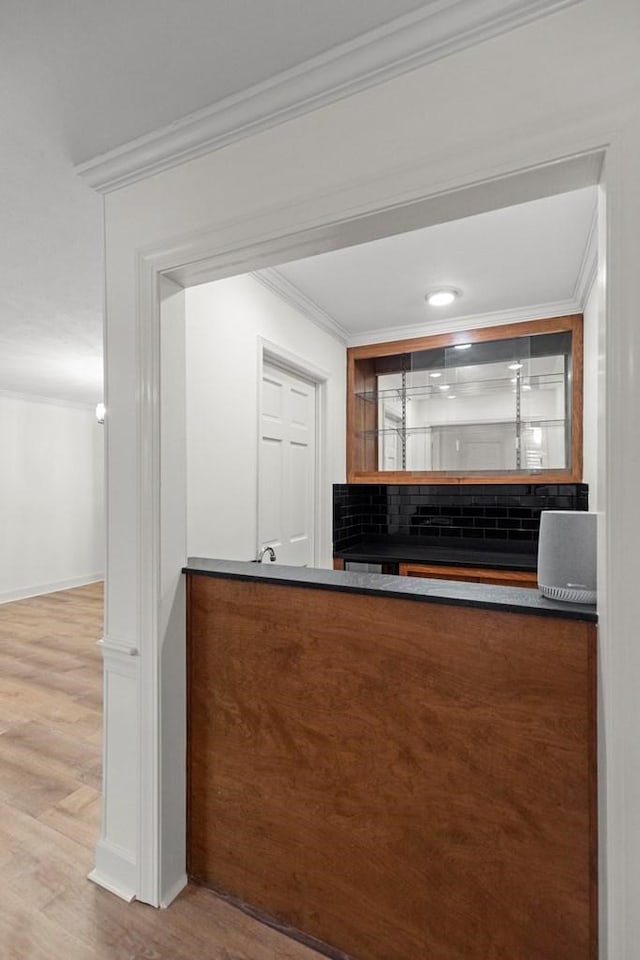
{"x":477,"y":408}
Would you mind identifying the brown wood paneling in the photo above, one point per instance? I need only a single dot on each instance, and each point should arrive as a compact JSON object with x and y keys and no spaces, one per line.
{"x":479,"y":335}
{"x":577,"y":396}
{"x":402,"y":780}
{"x":503,"y":578}
{"x":419,"y":476}
{"x":338,"y":563}
{"x":362,"y":416}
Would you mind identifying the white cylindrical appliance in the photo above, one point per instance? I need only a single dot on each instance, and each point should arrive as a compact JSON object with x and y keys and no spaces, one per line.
{"x":567,"y":561}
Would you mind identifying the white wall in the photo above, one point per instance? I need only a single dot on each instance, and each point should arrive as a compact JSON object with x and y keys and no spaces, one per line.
{"x":224,"y":323}
{"x":51,"y":497}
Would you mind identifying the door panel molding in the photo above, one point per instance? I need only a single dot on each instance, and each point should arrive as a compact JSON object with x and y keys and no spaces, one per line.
{"x":275,"y":355}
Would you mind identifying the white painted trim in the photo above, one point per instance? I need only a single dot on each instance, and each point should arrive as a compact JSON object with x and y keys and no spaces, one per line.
{"x":273,"y":280}
{"x":278,"y":284}
{"x":115,"y":867}
{"x":298,"y":366}
{"x":148,"y":537}
{"x":101,"y":880}
{"x":54,"y":401}
{"x":589,"y":265}
{"x":106,"y":445}
{"x":114,"y":870}
{"x":290,"y":361}
{"x":540,"y":311}
{"x":39,"y":590}
{"x":203,"y":256}
{"x":438,"y":29}
{"x":117,"y":647}
{"x":174,"y":891}
{"x":171,"y":648}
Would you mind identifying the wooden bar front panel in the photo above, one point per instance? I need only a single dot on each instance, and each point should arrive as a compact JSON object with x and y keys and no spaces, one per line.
{"x":401,"y":780}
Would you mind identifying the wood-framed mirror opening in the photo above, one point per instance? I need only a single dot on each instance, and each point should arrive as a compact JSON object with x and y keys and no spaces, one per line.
{"x":499,"y":404}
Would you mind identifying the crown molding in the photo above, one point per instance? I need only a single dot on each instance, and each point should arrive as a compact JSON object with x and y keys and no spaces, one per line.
{"x":53,"y":401}
{"x":273,"y":280}
{"x":540,"y":311}
{"x":440,"y":28}
{"x":589,"y":265}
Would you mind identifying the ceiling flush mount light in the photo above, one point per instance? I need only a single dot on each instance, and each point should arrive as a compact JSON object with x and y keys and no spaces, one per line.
{"x":445,"y":386}
{"x":442,"y":297}
{"x":435,"y":374}
{"x":100,"y":412}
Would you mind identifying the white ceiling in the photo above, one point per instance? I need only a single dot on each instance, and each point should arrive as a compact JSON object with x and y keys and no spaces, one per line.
{"x":112,"y":71}
{"x":80,"y":77}
{"x":517,"y":258}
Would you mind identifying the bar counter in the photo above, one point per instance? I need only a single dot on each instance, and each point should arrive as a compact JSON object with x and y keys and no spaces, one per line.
{"x":389,"y":768}
{"x":482,"y":596}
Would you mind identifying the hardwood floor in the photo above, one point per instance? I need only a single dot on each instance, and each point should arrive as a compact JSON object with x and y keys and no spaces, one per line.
{"x":50,"y":751}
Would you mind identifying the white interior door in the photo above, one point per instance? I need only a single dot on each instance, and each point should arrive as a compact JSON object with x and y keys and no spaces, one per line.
{"x":287,"y":466}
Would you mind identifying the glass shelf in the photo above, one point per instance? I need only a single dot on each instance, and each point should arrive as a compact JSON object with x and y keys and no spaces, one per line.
{"x":448,"y":425}
{"x":462,"y":388}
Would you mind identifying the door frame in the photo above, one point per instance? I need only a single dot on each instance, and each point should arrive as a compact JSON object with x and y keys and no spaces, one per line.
{"x":270,"y":352}
{"x":200,"y":258}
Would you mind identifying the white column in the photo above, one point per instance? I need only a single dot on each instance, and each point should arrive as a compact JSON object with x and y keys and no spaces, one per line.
{"x":116,"y":855}
{"x":620,"y":599}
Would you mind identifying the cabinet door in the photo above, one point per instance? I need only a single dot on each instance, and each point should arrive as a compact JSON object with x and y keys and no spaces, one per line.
{"x":503,"y":578}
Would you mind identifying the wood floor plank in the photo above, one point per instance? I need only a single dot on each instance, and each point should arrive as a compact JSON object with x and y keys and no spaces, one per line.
{"x":50,"y":756}
{"x":76,"y":815}
{"x":26,"y":934}
{"x":37,"y":742}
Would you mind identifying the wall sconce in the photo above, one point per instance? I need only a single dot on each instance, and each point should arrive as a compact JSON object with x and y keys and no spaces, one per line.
{"x":100,"y":412}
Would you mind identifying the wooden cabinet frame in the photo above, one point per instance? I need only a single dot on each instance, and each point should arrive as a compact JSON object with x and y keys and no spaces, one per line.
{"x":362,"y":450}
{"x":497,"y":576}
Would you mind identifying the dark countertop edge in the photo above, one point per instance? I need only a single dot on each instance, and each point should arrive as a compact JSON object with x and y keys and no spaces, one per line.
{"x":508,"y":599}
{"x":400,"y":556}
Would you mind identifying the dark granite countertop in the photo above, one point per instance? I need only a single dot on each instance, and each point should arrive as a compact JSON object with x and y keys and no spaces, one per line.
{"x":483,"y":596}
{"x":387,"y":550}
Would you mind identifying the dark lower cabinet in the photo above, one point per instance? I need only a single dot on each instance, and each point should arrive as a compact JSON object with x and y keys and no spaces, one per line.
{"x":502,"y":578}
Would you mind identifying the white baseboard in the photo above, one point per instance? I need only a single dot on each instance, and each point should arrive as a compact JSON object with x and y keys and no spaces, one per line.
{"x":39,"y":589}
{"x":101,"y":881}
{"x":169,"y":896}
{"x":115,"y":871}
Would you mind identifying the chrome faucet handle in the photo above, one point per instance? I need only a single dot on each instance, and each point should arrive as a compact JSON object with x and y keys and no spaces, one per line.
{"x":269,"y":550}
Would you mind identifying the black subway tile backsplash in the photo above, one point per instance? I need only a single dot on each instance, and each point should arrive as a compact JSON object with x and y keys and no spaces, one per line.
{"x":501,"y":514}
